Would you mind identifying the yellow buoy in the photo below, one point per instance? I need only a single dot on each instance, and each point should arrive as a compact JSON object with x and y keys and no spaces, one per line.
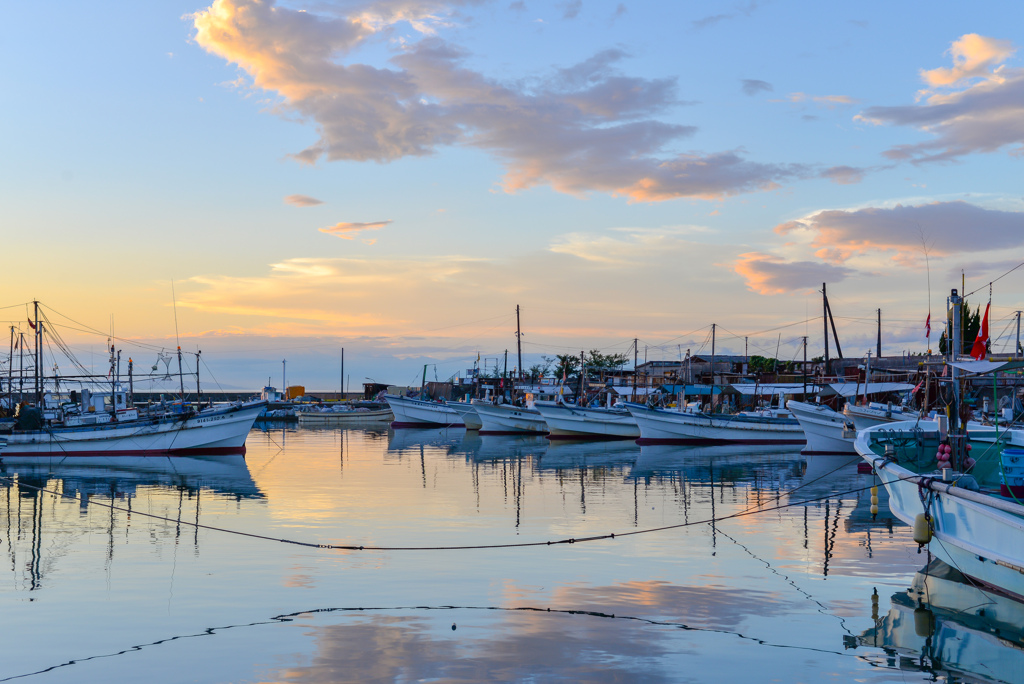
{"x":874,"y":509}
{"x":874,"y":491}
{"x":922,"y":529}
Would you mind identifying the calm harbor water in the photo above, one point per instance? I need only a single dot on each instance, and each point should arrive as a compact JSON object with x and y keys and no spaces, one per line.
{"x":94,"y":589}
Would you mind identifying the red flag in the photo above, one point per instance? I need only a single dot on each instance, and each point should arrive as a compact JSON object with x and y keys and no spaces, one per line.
{"x":33,"y":325}
{"x":928,"y":326}
{"x":978,"y":350}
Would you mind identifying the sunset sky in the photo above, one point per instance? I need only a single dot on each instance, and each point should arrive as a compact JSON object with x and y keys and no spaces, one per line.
{"x":396,"y":176}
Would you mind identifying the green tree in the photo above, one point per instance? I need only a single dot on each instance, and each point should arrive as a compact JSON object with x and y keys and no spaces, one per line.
{"x":971,"y":324}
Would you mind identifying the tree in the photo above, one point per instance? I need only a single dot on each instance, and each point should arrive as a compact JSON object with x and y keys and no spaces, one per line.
{"x":970,"y":323}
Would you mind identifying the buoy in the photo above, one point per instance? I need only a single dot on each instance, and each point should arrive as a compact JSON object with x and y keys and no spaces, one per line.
{"x":874,"y":509}
{"x":924,"y":622}
{"x":922,"y":529}
{"x":968,"y":447}
{"x":874,"y":500}
{"x":874,"y":605}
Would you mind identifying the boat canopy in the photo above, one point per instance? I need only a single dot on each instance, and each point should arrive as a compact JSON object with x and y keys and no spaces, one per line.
{"x":986,"y":367}
{"x":850,"y":389}
{"x":693,"y":390}
{"x":750,"y":389}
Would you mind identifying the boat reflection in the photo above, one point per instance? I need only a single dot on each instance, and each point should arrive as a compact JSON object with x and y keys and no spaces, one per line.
{"x":121,"y":475}
{"x":948,"y":627}
{"x":703,"y":463}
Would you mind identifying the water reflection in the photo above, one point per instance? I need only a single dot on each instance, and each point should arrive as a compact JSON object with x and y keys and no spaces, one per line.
{"x":46,"y":499}
{"x":948,"y":627}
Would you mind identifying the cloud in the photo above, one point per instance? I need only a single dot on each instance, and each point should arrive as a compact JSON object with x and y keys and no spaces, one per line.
{"x":975,"y":106}
{"x":583,"y":128}
{"x":843,"y":175}
{"x":571,"y":8}
{"x":752,"y":86}
{"x":712,"y":19}
{"x":829,"y":101}
{"x":347,"y":231}
{"x":517,"y":6}
{"x":627,"y":245}
{"x":302,"y":201}
{"x":769,"y":275}
{"x":839,"y":235}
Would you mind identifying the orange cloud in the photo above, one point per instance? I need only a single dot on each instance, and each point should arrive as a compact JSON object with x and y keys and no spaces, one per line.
{"x":347,"y":231}
{"x":974,"y":56}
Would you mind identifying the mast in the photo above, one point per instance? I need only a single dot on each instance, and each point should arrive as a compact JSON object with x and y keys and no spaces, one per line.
{"x":181,"y":378}
{"x":199,"y":392}
{"x":131,"y":384}
{"x":804,"y":398}
{"x":955,"y":302}
{"x":1017,"y":350}
{"x":711,"y":399}
{"x":10,"y":373}
{"x":824,"y":324}
{"x":38,"y":368}
{"x":342,"y":397}
{"x":519,"y":343}
{"x":581,"y":401}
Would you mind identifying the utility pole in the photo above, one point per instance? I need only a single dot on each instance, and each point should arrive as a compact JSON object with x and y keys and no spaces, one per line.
{"x":878,"y":347}
{"x":519,"y":343}
{"x":1017,"y":350}
{"x":342,"y":396}
{"x":636,"y":354}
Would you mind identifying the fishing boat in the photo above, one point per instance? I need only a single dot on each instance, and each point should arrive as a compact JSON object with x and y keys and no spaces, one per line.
{"x":506,"y":419}
{"x":827,"y":431}
{"x":959,"y":483}
{"x":77,"y":429}
{"x":348,"y":416}
{"x":566,"y":421}
{"x":667,"y":426}
{"x":467,"y":411}
{"x":420,"y":413}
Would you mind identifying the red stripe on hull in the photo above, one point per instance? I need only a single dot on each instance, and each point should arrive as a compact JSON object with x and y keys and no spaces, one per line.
{"x":710,"y":442}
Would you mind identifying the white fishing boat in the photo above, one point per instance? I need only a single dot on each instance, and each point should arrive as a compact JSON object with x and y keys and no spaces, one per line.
{"x":827,"y":431}
{"x":419,"y":413}
{"x":220,"y":430}
{"x":506,"y":419}
{"x":350,"y":416}
{"x":467,"y":411}
{"x":667,"y":426}
{"x":565,"y":421}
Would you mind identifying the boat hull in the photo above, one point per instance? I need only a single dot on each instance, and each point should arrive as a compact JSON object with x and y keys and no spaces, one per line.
{"x":510,"y":420}
{"x":216,"y":431}
{"x":416,"y":413}
{"x":468,"y":414}
{"x":573,"y":422}
{"x":661,"y":426}
{"x":981,"y":541}
{"x":824,"y":429}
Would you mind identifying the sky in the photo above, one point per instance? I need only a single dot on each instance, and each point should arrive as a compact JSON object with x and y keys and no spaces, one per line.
{"x":278,"y":180}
